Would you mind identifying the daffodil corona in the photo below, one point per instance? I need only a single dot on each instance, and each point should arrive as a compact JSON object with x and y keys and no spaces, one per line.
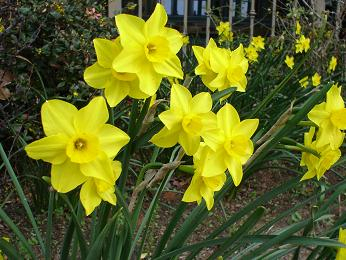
{"x":80,"y":146}
{"x":149,"y":49}
{"x":185,"y":121}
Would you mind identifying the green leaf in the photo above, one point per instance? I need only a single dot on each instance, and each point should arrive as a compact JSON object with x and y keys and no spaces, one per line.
{"x":9,"y":250}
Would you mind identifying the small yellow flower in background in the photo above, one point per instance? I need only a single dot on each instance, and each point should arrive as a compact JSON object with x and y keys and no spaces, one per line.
{"x":149,"y":49}
{"x":231,"y":143}
{"x":316,"y":79}
{"x":59,"y":8}
{"x":251,"y":53}
{"x":224,"y":31}
{"x":289,"y":61}
{"x":185,"y":39}
{"x":258,"y":43}
{"x":332,"y":64}
{"x":101,"y":74}
{"x":318,"y":166}
{"x":203,"y":186}
{"x":2,"y":27}
{"x":80,"y":146}
{"x":330,"y":116}
{"x":341,"y":255}
{"x":298,"y":28}
{"x":304,"y":82}
{"x":302,"y":44}
{"x":221,"y":68}
{"x":185,"y":121}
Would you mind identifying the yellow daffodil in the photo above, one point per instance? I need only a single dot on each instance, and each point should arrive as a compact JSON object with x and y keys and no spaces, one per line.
{"x":302,"y":44}
{"x":251,"y":53}
{"x":102,"y":75}
{"x":304,"y":82}
{"x":149,"y":49}
{"x":231,"y":143}
{"x":330,"y":116}
{"x":185,"y":121}
{"x":224,"y":32}
{"x":203,"y":186}
{"x":298,"y":28}
{"x":258,"y":43}
{"x":289,"y":61}
{"x":316,"y":79}
{"x":79,"y":145}
{"x":221,"y":68}
{"x":341,"y":255}
{"x":318,"y":166}
{"x":332,"y":64}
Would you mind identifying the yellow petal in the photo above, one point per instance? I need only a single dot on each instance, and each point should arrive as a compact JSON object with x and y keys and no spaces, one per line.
{"x":334,"y":99}
{"x":227,"y":118}
{"x":213,"y":164}
{"x":246,"y":127}
{"x":170,"y":119}
{"x":329,"y":134}
{"x":220,"y":81}
{"x":338,"y":118}
{"x":169,"y":67}
{"x":106,"y":51}
{"x":66,"y":176}
{"x":100,"y":168}
{"x":208,"y":196}
{"x":166,"y":138}
{"x":174,"y":39}
{"x":112,"y":139}
{"x":134,"y":90}
{"x":116,"y":91}
{"x":198,"y":51}
{"x":238,"y":57}
{"x":308,"y":175}
{"x":116,"y":165}
{"x":97,"y":76}
{"x":91,"y":117}
{"x":190,"y":143}
{"x":219,"y":59}
{"x":235,"y":169}
{"x":180,"y":98}
{"x":57,"y":117}
{"x":149,"y":80}
{"x":49,"y":149}
{"x":215,"y":183}
{"x":131,"y":30}
{"x":89,"y":196}
{"x":109,"y":196}
{"x":156,"y":22}
{"x":130,"y":60}
{"x":201,"y":103}
{"x":192,"y":193}
{"x":318,"y":114}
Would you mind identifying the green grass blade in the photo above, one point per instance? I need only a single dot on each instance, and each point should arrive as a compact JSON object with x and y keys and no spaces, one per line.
{"x":67,"y":241}
{"x":7,"y":220}
{"x":22,"y":198}
{"x":49,"y":226}
{"x":9,"y":250}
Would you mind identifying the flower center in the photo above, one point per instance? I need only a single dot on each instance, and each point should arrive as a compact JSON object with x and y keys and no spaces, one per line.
{"x":192,"y":125}
{"x":80,"y":144}
{"x":83,"y":148}
{"x":157,"y":49}
{"x":338,"y":118}
{"x":123,"y":76}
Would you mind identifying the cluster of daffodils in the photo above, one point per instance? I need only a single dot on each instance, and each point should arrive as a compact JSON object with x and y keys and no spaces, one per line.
{"x":330,"y":117}
{"x":255,"y":46}
{"x":217,"y":142}
{"x":224,"y":31}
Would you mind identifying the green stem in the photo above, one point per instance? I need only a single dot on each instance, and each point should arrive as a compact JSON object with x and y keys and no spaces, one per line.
{"x":49,"y":225}
{"x":307,"y":123}
{"x":154,"y":165}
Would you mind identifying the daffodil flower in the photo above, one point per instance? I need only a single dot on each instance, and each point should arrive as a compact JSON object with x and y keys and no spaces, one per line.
{"x":330,"y":116}
{"x":224,"y":32}
{"x":318,"y":166}
{"x":221,"y":68}
{"x":304,"y":82}
{"x":332,"y":64}
{"x":80,"y":146}
{"x":251,"y":53}
{"x":202,"y":186}
{"x":298,"y":28}
{"x":258,"y":43}
{"x":185,"y":121}
{"x":289,"y":61}
{"x":101,"y":74}
{"x":231,"y":142}
{"x":302,"y":44}
{"x":316,"y":79}
{"x":149,"y":49}
{"x":341,"y":255}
